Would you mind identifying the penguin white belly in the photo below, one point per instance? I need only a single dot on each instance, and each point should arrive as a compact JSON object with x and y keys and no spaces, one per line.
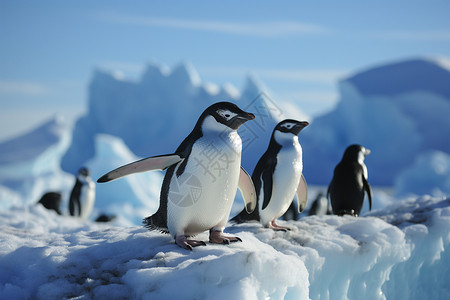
{"x":201,"y":198}
{"x":87,"y":199}
{"x":286,"y":177}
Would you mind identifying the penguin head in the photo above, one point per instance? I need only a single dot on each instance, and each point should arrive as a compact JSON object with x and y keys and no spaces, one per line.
{"x":287,"y":130}
{"x":291,"y":126}
{"x":227,"y":114}
{"x":355,"y":152}
{"x":83,"y":172}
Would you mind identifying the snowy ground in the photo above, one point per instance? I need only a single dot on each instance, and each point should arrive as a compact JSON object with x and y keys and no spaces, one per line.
{"x":399,"y":252}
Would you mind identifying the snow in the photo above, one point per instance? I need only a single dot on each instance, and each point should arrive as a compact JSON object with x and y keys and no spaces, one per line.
{"x":30,"y":164}
{"x":429,"y":174}
{"x":397,"y":110}
{"x":47,"y":256}
{"x":141,"y":191}
{"x":157,"y":115}
{"x":399,"y":250}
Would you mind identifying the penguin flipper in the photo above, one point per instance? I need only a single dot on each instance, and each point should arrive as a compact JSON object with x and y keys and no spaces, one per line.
{"x":369,"y":192}
{"x":248,"y":191}
{"x":302,"y":194}
{"x":160,"y":162}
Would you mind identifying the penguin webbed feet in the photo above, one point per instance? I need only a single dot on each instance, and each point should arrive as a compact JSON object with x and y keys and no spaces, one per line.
{"x":273,"y":225}
{"x":217,"y":237}
{"x":350,"y":212}
{"x":183,"y":242}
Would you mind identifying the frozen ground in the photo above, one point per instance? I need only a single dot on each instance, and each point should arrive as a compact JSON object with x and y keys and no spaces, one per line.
{"x":399,"y":252}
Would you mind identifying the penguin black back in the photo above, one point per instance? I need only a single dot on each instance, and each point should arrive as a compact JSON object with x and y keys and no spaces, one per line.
{"x":346,"y":190}
{"x":52,"y":201}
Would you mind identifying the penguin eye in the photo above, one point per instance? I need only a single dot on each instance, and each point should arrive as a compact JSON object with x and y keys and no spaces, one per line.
{"x":226,"y":114}
{"x":288,"y":125}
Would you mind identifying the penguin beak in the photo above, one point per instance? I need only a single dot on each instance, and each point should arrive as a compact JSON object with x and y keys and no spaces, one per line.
{"x":299,"y":126}
{"x":247,"y":116}
{"x":241,"y":119}
{"x":366,"y":151}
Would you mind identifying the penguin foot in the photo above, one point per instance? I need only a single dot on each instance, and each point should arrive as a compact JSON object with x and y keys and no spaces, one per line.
{"x":350,"y":212}
{"x":277,"y":227}
{"x":183,"y":242}
{"x":217,"y":237}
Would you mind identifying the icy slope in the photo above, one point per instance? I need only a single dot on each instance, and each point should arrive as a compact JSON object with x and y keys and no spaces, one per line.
{"x":401,"y":252}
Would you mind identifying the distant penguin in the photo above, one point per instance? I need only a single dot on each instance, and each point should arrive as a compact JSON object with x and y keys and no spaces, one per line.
{"x":51,"y":201}
{"x":82,"y":197}
{"x":346,"y":190}
{"x":104,"y":218}
{"x":291,"y":213}
{"x":278,"y":176}
{"x":202,"y":178}
{"x":320,"y":206}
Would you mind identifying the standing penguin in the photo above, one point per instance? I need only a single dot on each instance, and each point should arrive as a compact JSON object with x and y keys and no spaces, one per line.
{"x":346,"y":190}
{"x":320,"y":206}
{"x":278,"y":176}
{"x":202,"y":178}
{"x":51,"y":201}
{"x":82,"y":197}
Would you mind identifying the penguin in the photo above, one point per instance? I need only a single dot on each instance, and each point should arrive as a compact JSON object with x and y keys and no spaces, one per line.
{"x":82,"y":197}
{"x":291,"y":213}
{"x":320,"y":206}
{"x":104,"y":218}
{"x":201,"y":180}
{"x":278,"y":176}
{"x":346,"y":190}
{"x":51,"y":201}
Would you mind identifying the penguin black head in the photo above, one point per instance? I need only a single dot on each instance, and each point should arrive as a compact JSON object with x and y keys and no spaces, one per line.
{"x":292,"y":126}
{"x":83,"y":172}
{"x":228,"y":114}
{"x":355,"y":152}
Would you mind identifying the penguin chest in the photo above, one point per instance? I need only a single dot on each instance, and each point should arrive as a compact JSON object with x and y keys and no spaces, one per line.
{"x":285,"y":180}
{"x":202,"y":196}
{"x":87,"y":199}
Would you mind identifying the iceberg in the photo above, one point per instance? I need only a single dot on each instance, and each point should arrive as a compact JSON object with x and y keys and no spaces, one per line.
{"x":397,"y":110}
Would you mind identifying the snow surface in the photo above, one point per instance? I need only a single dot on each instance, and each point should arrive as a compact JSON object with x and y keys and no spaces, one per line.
{"x":400,"y":252}
{"x":397,"y":251}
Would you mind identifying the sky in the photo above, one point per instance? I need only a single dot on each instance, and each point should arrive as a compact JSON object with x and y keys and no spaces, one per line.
{"x":298,"y":49}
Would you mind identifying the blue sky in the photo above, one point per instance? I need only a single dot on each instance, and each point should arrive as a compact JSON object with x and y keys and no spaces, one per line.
{"x":299,"y":49}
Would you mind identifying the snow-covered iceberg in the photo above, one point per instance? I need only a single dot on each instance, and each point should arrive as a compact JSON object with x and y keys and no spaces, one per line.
{"x":30,"y":163}
{"x":131,"y":198}
{"x":154,"y":114}
{"x":397,"y":110}
{"x":401,"y":252}
{"x":429,"y":174}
